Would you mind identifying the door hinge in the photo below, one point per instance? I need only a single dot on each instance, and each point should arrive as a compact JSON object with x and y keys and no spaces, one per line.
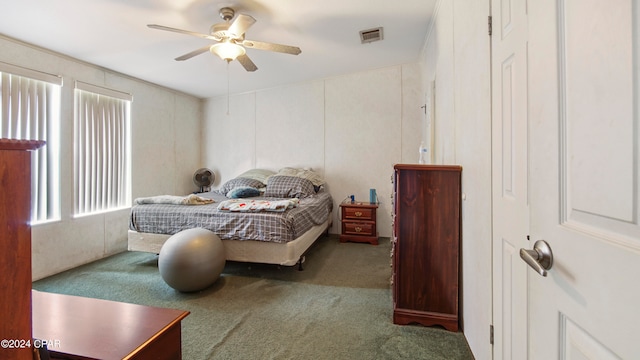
{"x":490,"y":24}
{"x":491,"y":334}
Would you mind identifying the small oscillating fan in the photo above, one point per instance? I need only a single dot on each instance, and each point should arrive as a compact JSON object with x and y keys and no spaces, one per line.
{"x":204,"y":178}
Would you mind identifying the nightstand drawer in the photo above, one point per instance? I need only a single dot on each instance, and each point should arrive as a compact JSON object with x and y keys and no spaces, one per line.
{"x":359,"y":213}
{"x":358,"y":228}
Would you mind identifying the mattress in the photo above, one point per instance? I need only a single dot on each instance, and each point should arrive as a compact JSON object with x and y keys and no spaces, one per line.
{"x":287,"y":254}
{"x":268,"y":226}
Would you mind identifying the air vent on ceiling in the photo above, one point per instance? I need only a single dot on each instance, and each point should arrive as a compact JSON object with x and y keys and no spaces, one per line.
{"x":371,"y":35}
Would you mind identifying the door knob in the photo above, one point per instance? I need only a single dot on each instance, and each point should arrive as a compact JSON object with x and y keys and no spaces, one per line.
{"x":540,"y":258}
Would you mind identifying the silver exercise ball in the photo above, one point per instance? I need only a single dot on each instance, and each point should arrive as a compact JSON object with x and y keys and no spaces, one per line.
{"x":191,"y":260}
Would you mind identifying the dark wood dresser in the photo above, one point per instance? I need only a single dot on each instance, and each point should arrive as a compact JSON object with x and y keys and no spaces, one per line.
{"x":15,"y":248}
{"x":426,"y":245}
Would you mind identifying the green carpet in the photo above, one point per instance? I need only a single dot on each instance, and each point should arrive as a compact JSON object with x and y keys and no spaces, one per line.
{"x":339,"y":307}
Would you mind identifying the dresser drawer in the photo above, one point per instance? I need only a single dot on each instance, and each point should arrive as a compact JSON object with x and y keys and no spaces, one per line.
{"x":359,"y":213}
{"x":358,"y":228}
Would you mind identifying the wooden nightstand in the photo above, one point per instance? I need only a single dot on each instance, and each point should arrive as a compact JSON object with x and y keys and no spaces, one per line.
{"x":359,"y":222}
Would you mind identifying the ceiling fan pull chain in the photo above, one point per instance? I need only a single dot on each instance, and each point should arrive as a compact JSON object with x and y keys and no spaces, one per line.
{"x":228,"y":76}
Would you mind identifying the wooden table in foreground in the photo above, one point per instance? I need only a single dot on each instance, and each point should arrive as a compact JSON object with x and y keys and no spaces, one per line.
{"x":83,"y":328}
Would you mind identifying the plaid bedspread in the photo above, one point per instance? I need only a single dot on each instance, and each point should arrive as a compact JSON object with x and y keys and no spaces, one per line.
{"x":264,"y":226}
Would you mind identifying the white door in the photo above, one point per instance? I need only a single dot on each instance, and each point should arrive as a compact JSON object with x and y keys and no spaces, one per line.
{"x":584,"y":62}
{"x":509,"y":172}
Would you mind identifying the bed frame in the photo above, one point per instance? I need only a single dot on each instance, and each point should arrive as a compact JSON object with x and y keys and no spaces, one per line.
{"x":286,"y":254}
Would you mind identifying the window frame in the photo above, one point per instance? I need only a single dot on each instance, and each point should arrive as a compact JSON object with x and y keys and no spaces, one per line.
{"x":102,"y":150}
{"x":37,"y":113}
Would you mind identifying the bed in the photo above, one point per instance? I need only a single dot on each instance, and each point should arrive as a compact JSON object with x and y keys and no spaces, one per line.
{"x":290,"y":211}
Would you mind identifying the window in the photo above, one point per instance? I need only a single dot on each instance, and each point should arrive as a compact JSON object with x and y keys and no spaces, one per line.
{"x":101,"y":149}
{"x":30,"y":110}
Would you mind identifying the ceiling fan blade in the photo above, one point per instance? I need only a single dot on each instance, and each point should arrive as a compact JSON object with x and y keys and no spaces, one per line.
{"x":187,"y":32}
{"x":247,"y":63}
{"x":193,"y":53}
{"x":241,"y":24}
{"x":293,"y":50}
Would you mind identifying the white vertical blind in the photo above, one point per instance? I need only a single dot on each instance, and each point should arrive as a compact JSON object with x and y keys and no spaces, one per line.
{"x":30,"y":110}
{"x":101,"y":148}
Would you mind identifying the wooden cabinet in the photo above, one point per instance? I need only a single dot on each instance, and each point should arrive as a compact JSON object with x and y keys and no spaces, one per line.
{"x":426,"y":245}
{"x":359,"y":222}
{"x":15,"y":247}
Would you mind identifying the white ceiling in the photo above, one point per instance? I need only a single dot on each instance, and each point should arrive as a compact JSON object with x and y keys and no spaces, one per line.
{"x":113,"y":34}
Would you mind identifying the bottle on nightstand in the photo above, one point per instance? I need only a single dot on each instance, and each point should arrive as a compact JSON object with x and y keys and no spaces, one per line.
{"x":422,"y":159}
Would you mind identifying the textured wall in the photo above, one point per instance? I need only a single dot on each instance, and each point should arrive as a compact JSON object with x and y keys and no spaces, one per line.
{"x":351,"y":129}
{"x":165,"y":127}
{"x":456,"y":58}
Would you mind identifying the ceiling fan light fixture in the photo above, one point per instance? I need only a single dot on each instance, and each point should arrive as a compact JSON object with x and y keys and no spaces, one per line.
{"x":227,"y":50}
{"x":230,"y":40}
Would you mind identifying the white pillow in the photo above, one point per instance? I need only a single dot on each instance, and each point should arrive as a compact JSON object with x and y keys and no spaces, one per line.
{"x":257,"y":174}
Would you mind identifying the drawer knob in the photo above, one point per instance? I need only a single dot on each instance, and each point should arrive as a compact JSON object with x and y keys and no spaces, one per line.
{"x":358,"y":213}
{"x":358,"y":229}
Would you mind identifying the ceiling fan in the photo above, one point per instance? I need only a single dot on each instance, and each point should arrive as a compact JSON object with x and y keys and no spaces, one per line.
{"x":230,"y":42}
